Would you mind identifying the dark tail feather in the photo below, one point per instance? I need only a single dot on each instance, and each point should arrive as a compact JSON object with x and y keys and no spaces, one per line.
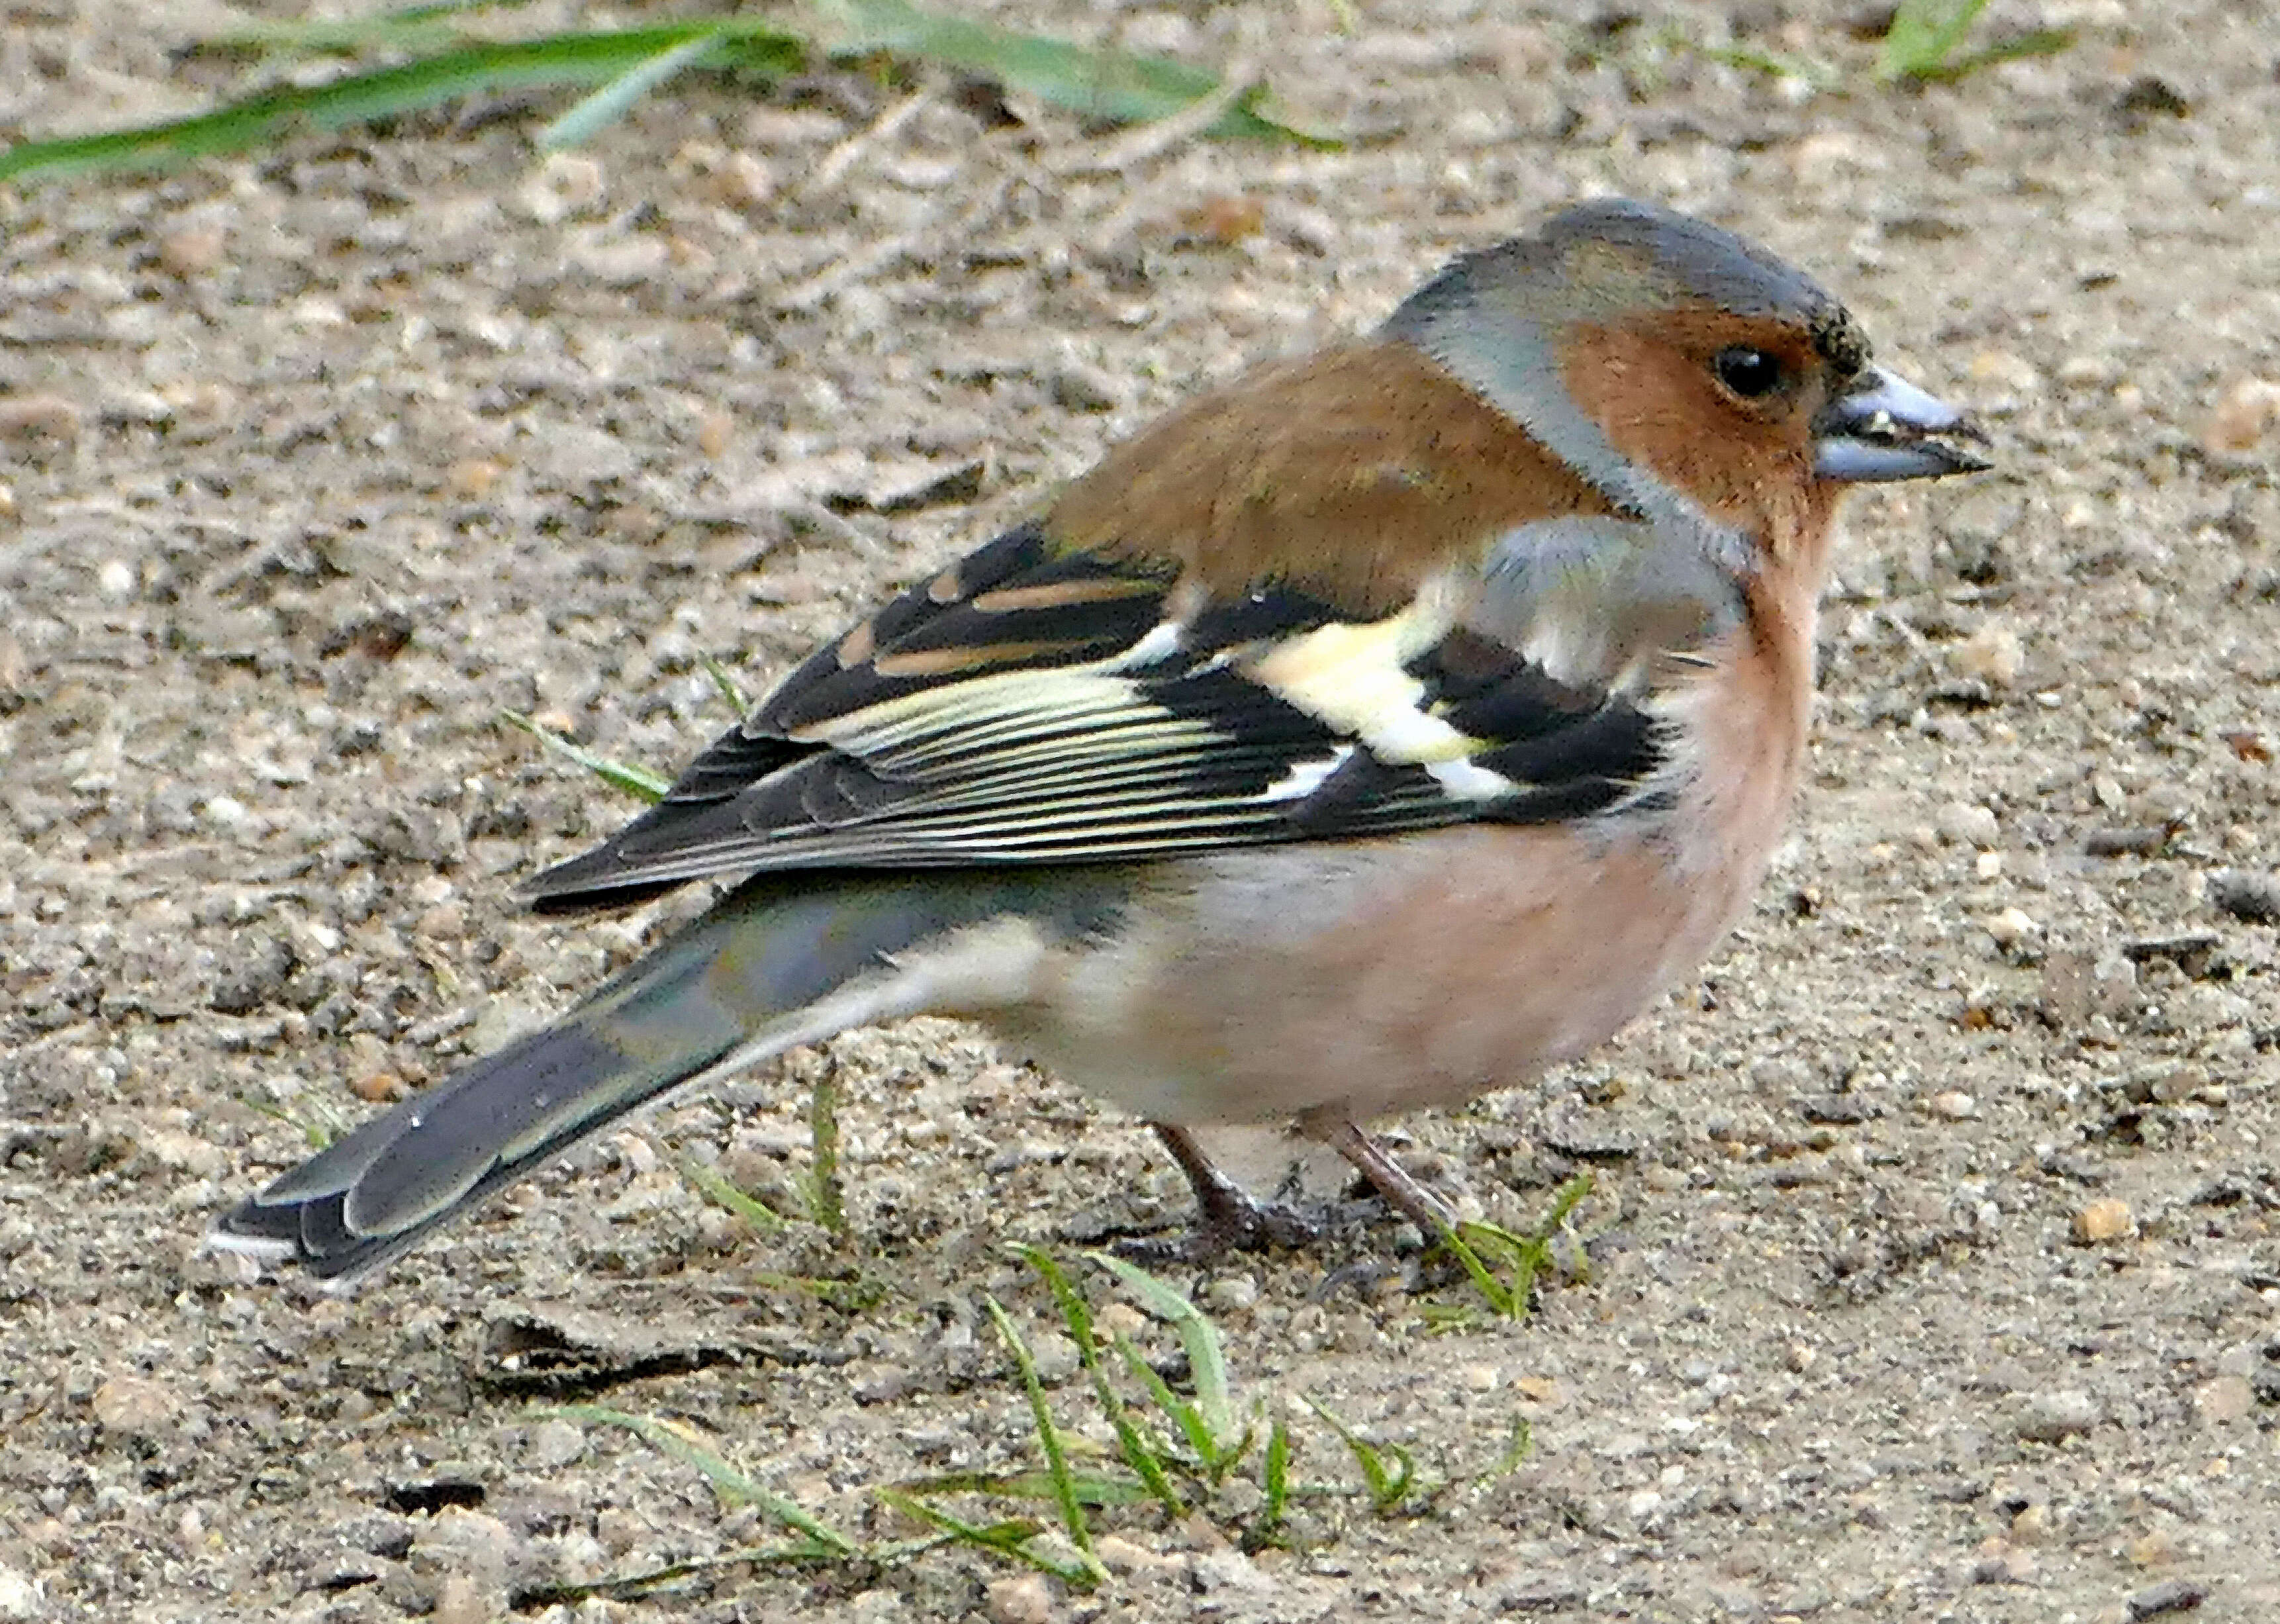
{"x":781,"y":961}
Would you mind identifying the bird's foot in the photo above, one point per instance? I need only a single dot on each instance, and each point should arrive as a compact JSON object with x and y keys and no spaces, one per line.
{"x":1232,"y":1221}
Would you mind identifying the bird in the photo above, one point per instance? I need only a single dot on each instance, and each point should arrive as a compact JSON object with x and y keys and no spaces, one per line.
{"x":1383,"y":727}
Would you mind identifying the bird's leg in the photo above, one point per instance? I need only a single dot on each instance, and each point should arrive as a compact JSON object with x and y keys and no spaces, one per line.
{"x":1228,"y":1218}
{"x":1386,"y":1176}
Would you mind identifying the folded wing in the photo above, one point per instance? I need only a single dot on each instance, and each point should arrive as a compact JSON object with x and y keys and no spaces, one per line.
{"x":1027,"y":705}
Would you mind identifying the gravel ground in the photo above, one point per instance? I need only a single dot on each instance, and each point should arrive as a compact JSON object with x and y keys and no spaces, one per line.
{"x":1933,"y":1266}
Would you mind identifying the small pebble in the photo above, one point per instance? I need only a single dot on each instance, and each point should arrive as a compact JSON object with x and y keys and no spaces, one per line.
{"x":566,"y":183}
{"x":185,"y":1152}
{"x":554,"y":1445}
{"x":619,"y":1530}
{"x":192,"y":250}
{"x":2138,"y":840}
{"x":461,"y":1600}
{"x":736,"y":180}
{"x":314,"y":311}
{"x":2253,"y":898}
{"x":2002,"y":1564}
{"x":2157,"y":1548}
{"x":445,"y":922}
{"x":1228,"y":1570}
{"x":38,"y":417}
{"x":2010,"y":927}
{"x":376,"y":1088}
{"x":2050,"y":1418}
{"x":1079,"y":388}
{"x":1960,"y":823}
{"x":1232,"y":1293}
{"x":716,"y":431}
{"x":2225,"y":1398}
{"x":1055,"y":1358}
{"x":2242,"y":416}
{"x":2005,"y":370}
{"x":19,"y":1598}
{"x":1121,"y":1319}
{"x":1830,"y":157}
{"x":1952,"y":1104}
{"x":2078,"y":985}
{"x":2170,"y":1596}
{"x":1121,"y":1555}
{"x":1992,"y":655}
{"x":1023,"y":1599}
{"x":470,"y":479}
{"x":135,"y":1405}
{"x":2102,"y":1221}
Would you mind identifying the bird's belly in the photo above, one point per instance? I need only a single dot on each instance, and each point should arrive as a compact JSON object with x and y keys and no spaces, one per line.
{"x":1367,"y":979}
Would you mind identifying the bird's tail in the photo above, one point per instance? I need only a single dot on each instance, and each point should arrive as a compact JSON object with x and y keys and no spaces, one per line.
{"x":782,"y":960}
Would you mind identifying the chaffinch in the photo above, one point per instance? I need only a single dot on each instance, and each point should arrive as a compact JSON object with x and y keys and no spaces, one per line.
{"x":1374,"y":732}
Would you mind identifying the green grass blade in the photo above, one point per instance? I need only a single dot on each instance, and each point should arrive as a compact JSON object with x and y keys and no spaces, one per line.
{"x":857,"y":1295}
{"x":1112,"y":86}
{"x":1007,"y":1539}
{"x":1139,"y":1451}
{"x":618,"y":774}
{"x":1184,"y":1415}
{"x":1519,"y":1443}
{"x":555,"y":62}
{"x":1198,"y":1337}
{"x":1925,"y":41}
{"x":1921,"y":33}
{"x":724,"y":683}
{"x":1092,"y":1490}
{"x":1274,"y":1485}
{"x":824,"y":1197}
{"x":621,"y":65}
{"x":735,"y":1487}
{"x":2034,"y":42}
{"x":1508,"y":1303}
{"x":715,"y":1187}
{"x":1388,"y":1486}
{"x":1480,"y":1249}
{"x":319,"y":1127}
{"x":652,"y":1581}
{"x":1774,"y":65}
{"x":1049,"y":1439}
{"x":614,"y":100}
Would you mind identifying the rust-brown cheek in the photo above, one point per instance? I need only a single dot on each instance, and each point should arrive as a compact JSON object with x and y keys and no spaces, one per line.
{"x":1660,"y":408}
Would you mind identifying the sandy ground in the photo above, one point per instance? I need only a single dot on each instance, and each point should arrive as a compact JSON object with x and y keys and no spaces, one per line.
{"x":1933,"y":1263}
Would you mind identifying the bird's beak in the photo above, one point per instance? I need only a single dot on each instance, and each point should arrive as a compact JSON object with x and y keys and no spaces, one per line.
{"x":1886,"y":428}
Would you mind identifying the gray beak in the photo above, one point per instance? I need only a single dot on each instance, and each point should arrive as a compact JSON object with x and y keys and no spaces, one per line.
{"x":1886,"y":428}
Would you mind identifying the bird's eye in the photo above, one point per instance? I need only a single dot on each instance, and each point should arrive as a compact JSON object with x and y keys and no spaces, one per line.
{"x":1750,"y":374}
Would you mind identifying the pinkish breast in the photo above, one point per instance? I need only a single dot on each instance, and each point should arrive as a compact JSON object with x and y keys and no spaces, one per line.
{"x":1430,"y":968}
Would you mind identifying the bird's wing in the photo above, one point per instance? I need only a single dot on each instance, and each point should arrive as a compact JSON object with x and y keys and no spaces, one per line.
{"x":1030,"y":705}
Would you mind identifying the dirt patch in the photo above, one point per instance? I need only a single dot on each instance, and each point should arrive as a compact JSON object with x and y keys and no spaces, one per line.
{"x":1934,"y":1269}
